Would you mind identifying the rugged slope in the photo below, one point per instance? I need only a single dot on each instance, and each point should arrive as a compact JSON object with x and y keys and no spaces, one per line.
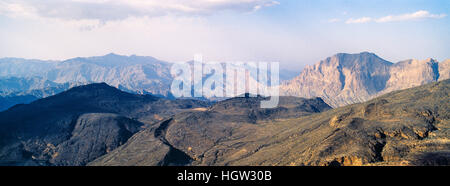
{"x":77,"y":126}
{"x":408,"y":127}
{"x":352,"y":78}
{"x":189,"y":137}
{"x":110,"y":131}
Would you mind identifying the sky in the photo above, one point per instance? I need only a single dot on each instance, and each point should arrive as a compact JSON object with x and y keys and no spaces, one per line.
{"x":293,"y":32}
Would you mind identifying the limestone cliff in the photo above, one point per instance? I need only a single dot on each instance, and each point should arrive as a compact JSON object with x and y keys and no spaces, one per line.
{"x":345,"y":79}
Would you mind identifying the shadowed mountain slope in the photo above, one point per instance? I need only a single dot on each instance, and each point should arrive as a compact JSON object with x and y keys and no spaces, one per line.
{"x":77,"y":126}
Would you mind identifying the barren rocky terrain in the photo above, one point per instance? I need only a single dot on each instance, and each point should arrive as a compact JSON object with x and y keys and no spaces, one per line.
{"x":100,"y":125}
{"x":408,"y":127}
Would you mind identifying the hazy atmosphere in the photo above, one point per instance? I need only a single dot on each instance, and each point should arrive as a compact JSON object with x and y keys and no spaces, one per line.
{"x":294,"y":33}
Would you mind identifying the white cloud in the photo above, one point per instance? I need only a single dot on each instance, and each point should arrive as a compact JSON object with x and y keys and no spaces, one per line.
{"x":171,"y":38}
{"x":16,"y":10}
{"x":421,"y":14}
{"x":105,"y":10}
{"x":359,"y":20}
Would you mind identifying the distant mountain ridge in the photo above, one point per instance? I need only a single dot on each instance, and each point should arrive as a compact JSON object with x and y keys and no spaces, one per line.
{"x":340,"y":80}
{"x":352,"y":78}
{"x":133,"y":73}
{"x":38,"y":78}
{"x":14,"y":90}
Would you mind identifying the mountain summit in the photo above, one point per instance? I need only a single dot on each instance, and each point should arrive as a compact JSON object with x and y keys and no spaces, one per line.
{"x":351,"y":78}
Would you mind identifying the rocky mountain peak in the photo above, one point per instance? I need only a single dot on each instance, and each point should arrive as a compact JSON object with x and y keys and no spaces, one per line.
{"x":344,"y":79}
{"x":360,"y":59}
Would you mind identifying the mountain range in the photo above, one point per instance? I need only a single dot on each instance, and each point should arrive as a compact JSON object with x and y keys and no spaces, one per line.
{"x":339,"y":80}
{"x":349,"y":109}
{"x":20,"y":77}
{"x":98,"y":124}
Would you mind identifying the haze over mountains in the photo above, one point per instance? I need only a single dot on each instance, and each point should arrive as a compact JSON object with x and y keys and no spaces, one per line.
{"x":21,"y":77}
{"x":340,"y":80}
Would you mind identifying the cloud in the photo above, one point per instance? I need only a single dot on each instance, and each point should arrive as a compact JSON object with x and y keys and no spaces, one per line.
{"x":421,"y":14}
{"x":16,"y":10}
{"x":106,"y":10}
{"x":359,"y":20}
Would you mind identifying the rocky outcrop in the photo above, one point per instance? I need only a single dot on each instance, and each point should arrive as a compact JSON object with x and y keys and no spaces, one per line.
{"x":94,"y":134}
{"x":147,"y":148}
{"x":345,"y":79}
{"x":411,"y":73}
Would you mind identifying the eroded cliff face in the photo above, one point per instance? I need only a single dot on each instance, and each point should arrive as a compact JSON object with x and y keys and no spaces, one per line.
{"x":444,"y":70}
{"x":345,"y":79}
{"x":411,"y":73}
